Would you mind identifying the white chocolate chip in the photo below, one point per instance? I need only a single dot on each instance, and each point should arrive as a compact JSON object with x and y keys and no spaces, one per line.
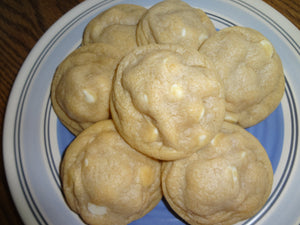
{"x":202,"y":113}
{"x":145,"y":98}
{"x":183,"y":32}
{"x":231,"y":117}
{"x":90,"y":98}
{"x":176,"y":90}
{"x":214,"y":141}
{"x":268,"y":47}
{"x":234,"y":173}
{"x":202,"y":37}
{"x":243,"y":155}
{"x":96,"y":209}
{"x":86,"y":162}
{"x":196,"y":111}
{"x":202,"y":138}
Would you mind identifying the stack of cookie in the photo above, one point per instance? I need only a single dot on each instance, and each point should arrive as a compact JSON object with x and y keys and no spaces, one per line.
{"x":159,"y":100}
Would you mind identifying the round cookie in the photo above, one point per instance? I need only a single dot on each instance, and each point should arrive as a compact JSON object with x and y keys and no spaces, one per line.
{"x":115,"y":26}
{"x":174,"y":22}
{"x":105,"y":181}
{"x":227,"y":181}
{"x":81,"y":86}
{"x":167,"y":101}
{"x":251,"y":71}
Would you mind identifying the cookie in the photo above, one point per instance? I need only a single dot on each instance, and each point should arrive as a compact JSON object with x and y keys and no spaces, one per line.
{"x":227,"y":181}
{"x":105,"y":181}
{"x":115,"y":26}
{"x":251,"y":71}
{"x":174,"y":22}
{"x":167,"y":101}
{"x":81,"y":86}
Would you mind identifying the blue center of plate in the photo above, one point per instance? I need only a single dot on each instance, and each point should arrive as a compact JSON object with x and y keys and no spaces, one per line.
{"x":269,"y":132}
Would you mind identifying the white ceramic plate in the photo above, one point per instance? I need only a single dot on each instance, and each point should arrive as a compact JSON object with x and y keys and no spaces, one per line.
{"x":34,"y":139}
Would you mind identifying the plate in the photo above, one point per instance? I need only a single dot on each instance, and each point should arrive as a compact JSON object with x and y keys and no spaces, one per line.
{"x":34,"y":139}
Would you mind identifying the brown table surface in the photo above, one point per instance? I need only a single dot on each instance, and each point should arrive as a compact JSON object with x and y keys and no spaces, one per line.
{"x":22,"y":23}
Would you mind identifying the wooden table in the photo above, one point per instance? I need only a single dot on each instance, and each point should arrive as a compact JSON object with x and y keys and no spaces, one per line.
{"x":22,"y":23}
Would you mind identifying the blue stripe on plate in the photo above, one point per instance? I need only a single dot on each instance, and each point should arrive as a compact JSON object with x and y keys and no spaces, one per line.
{"x":47,"y":142}
{"x":32,"y":204}
{"x":220,"y":20}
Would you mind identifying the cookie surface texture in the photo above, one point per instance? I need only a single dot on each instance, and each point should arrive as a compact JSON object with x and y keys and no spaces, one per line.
{"x":174,"y":22}
{"x":251,"y":71}
{"x":107,"y":182}
{"x":227,"y":181}
{"x":115,"y":26}
{"x":81,"y":86}
{"x":167,"y":101}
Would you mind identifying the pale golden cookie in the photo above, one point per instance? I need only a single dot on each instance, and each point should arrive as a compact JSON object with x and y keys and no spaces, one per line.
{"x":167,"y":101}
{"x":227,"y":181}
{"x":107,"y":182}
{"x":115,"y":26}
{"x":81,"y":86}
{"x":174,"y":22}
{"x":251,"y":71}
